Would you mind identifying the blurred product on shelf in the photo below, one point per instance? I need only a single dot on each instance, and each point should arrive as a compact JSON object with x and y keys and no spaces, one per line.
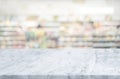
{"x":59,"y":32}
{"x":30,"y":34}
{"x":108,"y":18}
{"x":40,"y":32}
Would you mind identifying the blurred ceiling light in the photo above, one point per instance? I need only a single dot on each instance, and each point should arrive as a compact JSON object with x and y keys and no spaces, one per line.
{"x":82,"y":10}
{"x":94,"y":10}
{"x":72,"y":10}
{"x":79,"y":1}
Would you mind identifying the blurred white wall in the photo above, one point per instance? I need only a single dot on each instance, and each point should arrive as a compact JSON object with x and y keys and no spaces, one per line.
{"x":37,"y":7}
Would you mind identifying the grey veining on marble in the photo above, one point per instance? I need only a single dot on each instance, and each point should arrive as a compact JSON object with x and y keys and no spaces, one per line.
{"x":60,"y":61}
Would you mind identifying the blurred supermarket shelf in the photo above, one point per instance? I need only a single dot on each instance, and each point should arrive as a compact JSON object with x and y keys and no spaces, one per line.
{"x":105,"y":37}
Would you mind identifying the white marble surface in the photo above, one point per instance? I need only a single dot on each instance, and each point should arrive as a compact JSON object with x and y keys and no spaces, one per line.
{"x":60,"y":61}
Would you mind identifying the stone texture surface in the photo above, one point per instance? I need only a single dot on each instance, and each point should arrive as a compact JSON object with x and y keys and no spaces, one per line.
{"x":65,"y":62}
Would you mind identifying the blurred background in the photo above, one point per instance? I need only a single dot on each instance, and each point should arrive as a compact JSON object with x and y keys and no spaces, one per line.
{"x":59,"y":23}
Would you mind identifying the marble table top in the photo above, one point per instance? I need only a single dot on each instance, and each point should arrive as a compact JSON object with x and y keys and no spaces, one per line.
{"x":65,"y":61}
